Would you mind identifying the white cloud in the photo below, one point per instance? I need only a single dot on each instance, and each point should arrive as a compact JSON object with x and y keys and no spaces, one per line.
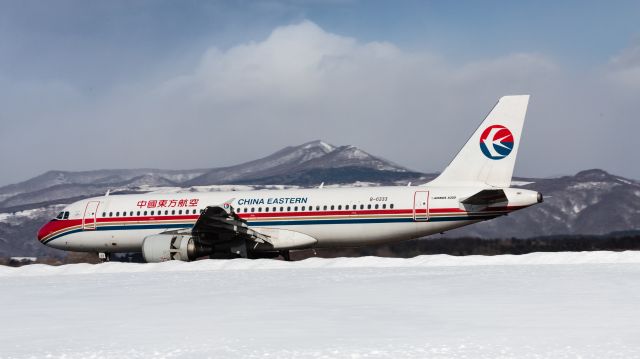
{"x":624,"y":68}
{"x":303,"y":82}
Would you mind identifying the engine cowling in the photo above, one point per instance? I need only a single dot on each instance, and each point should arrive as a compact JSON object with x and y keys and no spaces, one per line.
{"x":166,"y":247}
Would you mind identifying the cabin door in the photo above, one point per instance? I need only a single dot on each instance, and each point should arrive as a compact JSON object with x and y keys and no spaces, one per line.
{"x":89,"y":218}
{"x":421,"y":206}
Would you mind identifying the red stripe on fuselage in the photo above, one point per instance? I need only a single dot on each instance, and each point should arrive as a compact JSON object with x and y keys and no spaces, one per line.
{"x":59,"y":225}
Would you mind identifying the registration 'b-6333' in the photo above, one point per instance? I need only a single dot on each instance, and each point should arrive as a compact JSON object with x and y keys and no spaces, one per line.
{"x":255,"y":224}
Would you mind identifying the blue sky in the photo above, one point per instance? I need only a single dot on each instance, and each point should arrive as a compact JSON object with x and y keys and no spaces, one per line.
{"x":136,"y":72}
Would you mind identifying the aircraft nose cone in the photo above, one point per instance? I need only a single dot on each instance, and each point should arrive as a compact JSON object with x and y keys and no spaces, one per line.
{"x":44,"y":231}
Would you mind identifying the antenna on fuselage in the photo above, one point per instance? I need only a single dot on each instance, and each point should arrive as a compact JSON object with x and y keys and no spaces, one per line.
{"x":107,"y":194}
{"x":409,"y":184}
{"x":321,"y":185}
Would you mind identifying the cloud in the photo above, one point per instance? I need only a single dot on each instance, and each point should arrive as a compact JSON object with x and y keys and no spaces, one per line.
{"x":624,"y":68}
{"x":301,"y":83}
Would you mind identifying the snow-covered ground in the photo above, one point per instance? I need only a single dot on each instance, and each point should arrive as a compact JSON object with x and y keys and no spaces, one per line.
{"x":543,"y":305}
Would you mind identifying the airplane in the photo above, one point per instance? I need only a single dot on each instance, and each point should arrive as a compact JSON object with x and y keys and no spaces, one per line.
{"x":474,"y":187}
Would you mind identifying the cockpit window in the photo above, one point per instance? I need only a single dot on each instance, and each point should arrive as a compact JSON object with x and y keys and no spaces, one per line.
{"x":66,"y":215}
{"x":60,"y":215}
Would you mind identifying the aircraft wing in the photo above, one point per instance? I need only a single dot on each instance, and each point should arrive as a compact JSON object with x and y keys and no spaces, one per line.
{"x":220,"y":224}
{"x":220,"y":230}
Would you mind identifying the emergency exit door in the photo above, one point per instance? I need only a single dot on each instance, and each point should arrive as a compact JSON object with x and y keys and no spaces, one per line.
{"x":89,"y":217}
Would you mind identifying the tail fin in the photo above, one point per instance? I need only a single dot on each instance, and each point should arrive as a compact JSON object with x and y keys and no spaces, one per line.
{"x":487,"y":159}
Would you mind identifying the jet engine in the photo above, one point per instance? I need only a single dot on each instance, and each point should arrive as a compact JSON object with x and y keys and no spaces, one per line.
{"x":167,"y":247}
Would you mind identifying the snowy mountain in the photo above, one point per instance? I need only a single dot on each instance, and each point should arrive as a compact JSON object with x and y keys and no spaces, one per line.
{"x":307,"y":164}
{"x":303,"y":161}
{"x":591,"y":202}
{"x":60,"y":185}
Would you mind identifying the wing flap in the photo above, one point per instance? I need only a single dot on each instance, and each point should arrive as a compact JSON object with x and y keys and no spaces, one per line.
{"x":220,"y":222}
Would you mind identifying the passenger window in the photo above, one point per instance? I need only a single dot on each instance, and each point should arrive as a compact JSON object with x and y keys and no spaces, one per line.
{"x":194,"y":211}
{"x":384,"y":205}
{"x":274,"y":209}
{"x":104,"y":214}
{"x":391,"y":206}
{"x":368,"y":206}
{"x":259,"y":209}
{"x":288,"y":209}
{"x":332,"y":207}
{"x":339,"y":207}
{"x":180,"y":212}
{"x":131,"y":214}
{"x":252,"y":209}
{"x":124,"y":214}
{"x":376,"y":206}
{"x":303,"y":207}
{"x":173,"y":212}
{"x":317,"y":208}
{"x":362,"y":206}
{"x":295,"y":209}
{"x":266,"y":209}
{"x":137,"y":214}
{"x":346,"y":207}
{"x":145,"y":213}
{"x":110,"y":214}
{"x":245,"y":210}
{"x":325,"y":208}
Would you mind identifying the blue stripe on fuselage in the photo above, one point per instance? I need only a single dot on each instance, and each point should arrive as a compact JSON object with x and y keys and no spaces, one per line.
{"x":282,"y":223}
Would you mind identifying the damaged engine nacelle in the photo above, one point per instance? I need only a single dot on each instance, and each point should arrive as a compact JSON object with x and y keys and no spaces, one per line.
{"x":167,"y":247}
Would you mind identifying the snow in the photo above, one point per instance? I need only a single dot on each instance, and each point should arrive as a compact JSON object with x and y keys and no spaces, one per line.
{"x":27,"y":214}
{"x":592,"y":185}
{"x":577,"y":208}
{"x":319,"y":144}
{"x":542,"y":305}
{"x":520,"y":183}
{"x":625,"y":181}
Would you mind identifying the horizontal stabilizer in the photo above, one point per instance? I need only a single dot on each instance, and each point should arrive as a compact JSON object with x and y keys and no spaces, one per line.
{"x":486,"y":197}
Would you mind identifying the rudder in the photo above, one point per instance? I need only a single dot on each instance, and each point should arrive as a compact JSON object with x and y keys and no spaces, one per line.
{"x":488,"y":157}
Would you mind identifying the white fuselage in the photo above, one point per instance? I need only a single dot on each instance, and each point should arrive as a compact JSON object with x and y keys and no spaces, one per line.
{"x":331,"y":216}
